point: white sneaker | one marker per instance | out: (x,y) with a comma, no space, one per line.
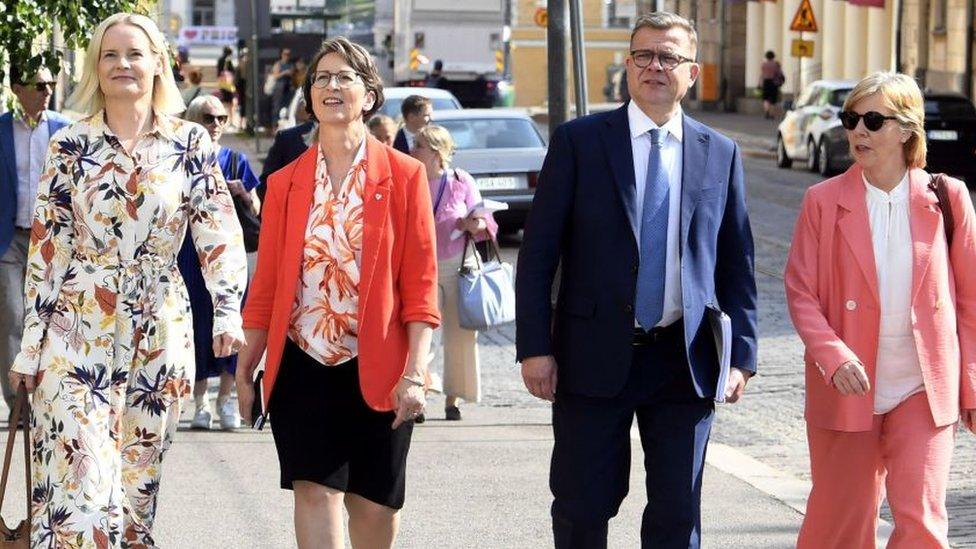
(229,418)
(203,419)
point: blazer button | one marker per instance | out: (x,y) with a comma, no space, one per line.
(629,308)
(851,305)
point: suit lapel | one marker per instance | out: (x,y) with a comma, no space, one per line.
(298,205)
(855,227)
(924,220)
(693,163)
(7,139)
(376,206)
(616,141)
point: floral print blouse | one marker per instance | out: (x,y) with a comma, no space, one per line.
(324,320)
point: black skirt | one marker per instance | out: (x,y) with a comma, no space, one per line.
(770,91)
(326,433)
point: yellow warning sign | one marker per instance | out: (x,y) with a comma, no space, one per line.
(804,21)
(801,48)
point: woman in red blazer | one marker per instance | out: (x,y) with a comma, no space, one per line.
(343,302)
(887,311)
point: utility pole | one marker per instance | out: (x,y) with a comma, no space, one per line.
(579,57)
(556,42)
(256,85)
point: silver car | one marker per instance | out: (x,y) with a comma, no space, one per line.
(811,130)
(503,150)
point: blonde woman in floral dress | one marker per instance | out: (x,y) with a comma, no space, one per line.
(108,343)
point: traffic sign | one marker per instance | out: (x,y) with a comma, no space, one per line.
(804,20)
(802,48)
(541,17)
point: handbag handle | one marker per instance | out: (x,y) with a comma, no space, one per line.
(493,251)
(20,404)
(938,186)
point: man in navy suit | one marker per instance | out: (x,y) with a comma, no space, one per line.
(416,111)
(645,210)
(24,137)
(287,145)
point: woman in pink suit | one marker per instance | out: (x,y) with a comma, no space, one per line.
(887,311)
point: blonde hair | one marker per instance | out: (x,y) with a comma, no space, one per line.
(900,94)
(194,111)
(440,141)
(88,97)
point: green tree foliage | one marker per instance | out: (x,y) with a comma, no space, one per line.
(26,28)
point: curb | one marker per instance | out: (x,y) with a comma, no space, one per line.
(758,153)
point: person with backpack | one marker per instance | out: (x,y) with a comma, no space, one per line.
(772,80)
(209,112)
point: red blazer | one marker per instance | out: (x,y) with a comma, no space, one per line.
(398,274)
(832,291)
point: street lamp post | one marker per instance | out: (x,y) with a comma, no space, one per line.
(579,57)
(556,53)
(256,87)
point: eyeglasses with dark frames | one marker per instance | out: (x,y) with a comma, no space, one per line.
(666,59)
(45,86)
(873,120)
(343,79)
(211,118)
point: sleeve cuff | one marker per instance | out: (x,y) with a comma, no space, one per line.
(25,365)
(230,325)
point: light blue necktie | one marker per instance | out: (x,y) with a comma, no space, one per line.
(649,304)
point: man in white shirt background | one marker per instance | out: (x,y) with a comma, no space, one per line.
(24,136)
(416,111)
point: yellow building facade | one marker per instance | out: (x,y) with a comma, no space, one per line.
(934,45)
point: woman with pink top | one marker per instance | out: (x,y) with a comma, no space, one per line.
(453,193)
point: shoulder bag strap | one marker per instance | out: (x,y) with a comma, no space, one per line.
(938,185)
(20,405)
(440,192)
(235,161)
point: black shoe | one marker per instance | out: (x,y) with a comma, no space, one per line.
(420,418)
(452,413)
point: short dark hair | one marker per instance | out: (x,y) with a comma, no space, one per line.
(770,54)
(358,58)
(228,50)
(414,104)
(16,76)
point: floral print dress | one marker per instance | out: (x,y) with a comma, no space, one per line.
(108,330)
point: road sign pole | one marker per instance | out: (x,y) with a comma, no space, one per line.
(799,72)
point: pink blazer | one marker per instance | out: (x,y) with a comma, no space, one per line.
(832,291)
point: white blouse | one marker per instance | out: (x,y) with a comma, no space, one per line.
(898,374)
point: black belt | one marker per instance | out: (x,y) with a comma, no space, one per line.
(659,333)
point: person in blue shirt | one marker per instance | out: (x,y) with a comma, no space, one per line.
(209,112)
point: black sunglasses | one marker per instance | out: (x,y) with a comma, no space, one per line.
(873,120)
(45,86)
(210,119)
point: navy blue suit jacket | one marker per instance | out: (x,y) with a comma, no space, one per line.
(584,216)
(8,172)
(287,146)
(400,142)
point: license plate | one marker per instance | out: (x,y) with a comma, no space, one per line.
(943,135)
(501,182)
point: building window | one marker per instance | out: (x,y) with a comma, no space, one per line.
(939,9)
(203,13)
(620,13)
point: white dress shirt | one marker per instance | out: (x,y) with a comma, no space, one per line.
(30,150)
(671,160)
(411,137)
(898,373)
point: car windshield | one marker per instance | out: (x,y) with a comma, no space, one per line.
(493,133)
(837,97)
(950,108)
(391,106)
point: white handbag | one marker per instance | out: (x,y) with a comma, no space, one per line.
(486,289)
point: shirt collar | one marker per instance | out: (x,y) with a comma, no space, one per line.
(640,123)
(21,117)
(360,155)
(897,195)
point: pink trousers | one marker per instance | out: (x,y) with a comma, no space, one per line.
(905,455)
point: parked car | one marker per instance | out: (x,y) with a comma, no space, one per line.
(392,99)
(811,130)
(950,126)
(503,150)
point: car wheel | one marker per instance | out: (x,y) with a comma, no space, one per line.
(812,156)
(823,159)
(782,159)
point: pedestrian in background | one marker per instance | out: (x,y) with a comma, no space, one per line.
(772,79)
(887,312)
(286,146)
(632,330)
(416,111)
(281,73)
(454,193)
(344,301)
(193,90)
(107,348)
(210,113)
(383,128)
(24,133)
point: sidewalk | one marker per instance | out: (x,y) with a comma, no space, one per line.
(755,135)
